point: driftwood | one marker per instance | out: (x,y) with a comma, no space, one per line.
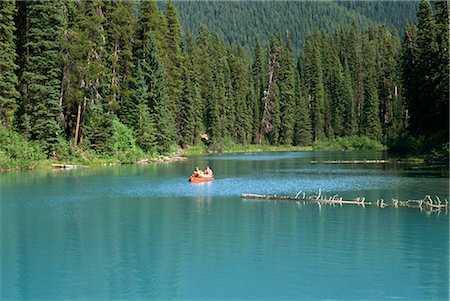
(427,203)
(355,162)
(68,166)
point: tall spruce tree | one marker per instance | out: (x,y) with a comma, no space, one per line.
(151,20)
(157,98)
(8,78)
(119,27)
(174,64)
(141,120)
(191,110)
(287,94)
(420,106)
(203,59)
(441,70)
(84,88)
(240,79)
(303,127)
(42,76)
(258,90)
(371,125)
(340,98)
(315,86)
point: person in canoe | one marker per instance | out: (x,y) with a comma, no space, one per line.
(197,172)
(208,172)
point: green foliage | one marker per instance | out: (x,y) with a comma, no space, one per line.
(123,143)
(246,22)
(157,97)
(125,79)
(98,129)
(42,74)
(348,143)
(16,152)
(8,78)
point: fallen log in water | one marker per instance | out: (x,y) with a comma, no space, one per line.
(355,162)
(68,166)
(427,203)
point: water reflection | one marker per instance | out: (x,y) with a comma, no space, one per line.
(145,232)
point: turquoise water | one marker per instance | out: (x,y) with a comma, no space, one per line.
(145,232)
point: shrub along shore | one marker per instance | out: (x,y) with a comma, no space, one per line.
(17,153)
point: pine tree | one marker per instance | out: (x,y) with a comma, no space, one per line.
(84,88)
(316,93)
(216,114)
(258,90)
(119,27)
(240,79)
(371,125)
(175,59)
(191,111)
(340,97)
(350,121)
(157,98)
(8,78)
(151,20)
(355,63)
(426,49)
(42,76)
(204,61)
(440,76)
(270,121)
(287,94)
(303,128)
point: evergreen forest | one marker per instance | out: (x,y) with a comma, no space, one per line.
(85,79)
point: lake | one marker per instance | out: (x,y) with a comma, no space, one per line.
(145,232)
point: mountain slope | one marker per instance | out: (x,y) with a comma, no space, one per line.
(247,21)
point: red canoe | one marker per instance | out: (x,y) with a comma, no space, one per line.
(200,179)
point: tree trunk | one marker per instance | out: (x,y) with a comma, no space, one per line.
(78,124)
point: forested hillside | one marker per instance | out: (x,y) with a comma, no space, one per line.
(246,22)
(121,78)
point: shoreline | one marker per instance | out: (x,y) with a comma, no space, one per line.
(180,155)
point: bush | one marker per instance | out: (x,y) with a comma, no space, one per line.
(348,143)
(124,144)
(16,152)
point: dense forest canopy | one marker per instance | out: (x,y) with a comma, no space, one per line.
(246,22)
(122,77)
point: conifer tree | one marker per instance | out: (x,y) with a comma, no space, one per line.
(84,89)
(157,98)
(258,90)
(440,76)
(303,128)
(204,61)
(426,49)
(287,94)
(350,120)
(340,97)
(42,76)
(216,114)
(190,116)
(240,79)
(119,27)
(151,20)
(270,121)
(8,78)
(355,63)
(174,63)
(371,111)
(316,93)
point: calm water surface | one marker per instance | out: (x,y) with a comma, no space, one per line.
(145,232)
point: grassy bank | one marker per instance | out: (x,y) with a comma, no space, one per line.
(348,144)
(250,148)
